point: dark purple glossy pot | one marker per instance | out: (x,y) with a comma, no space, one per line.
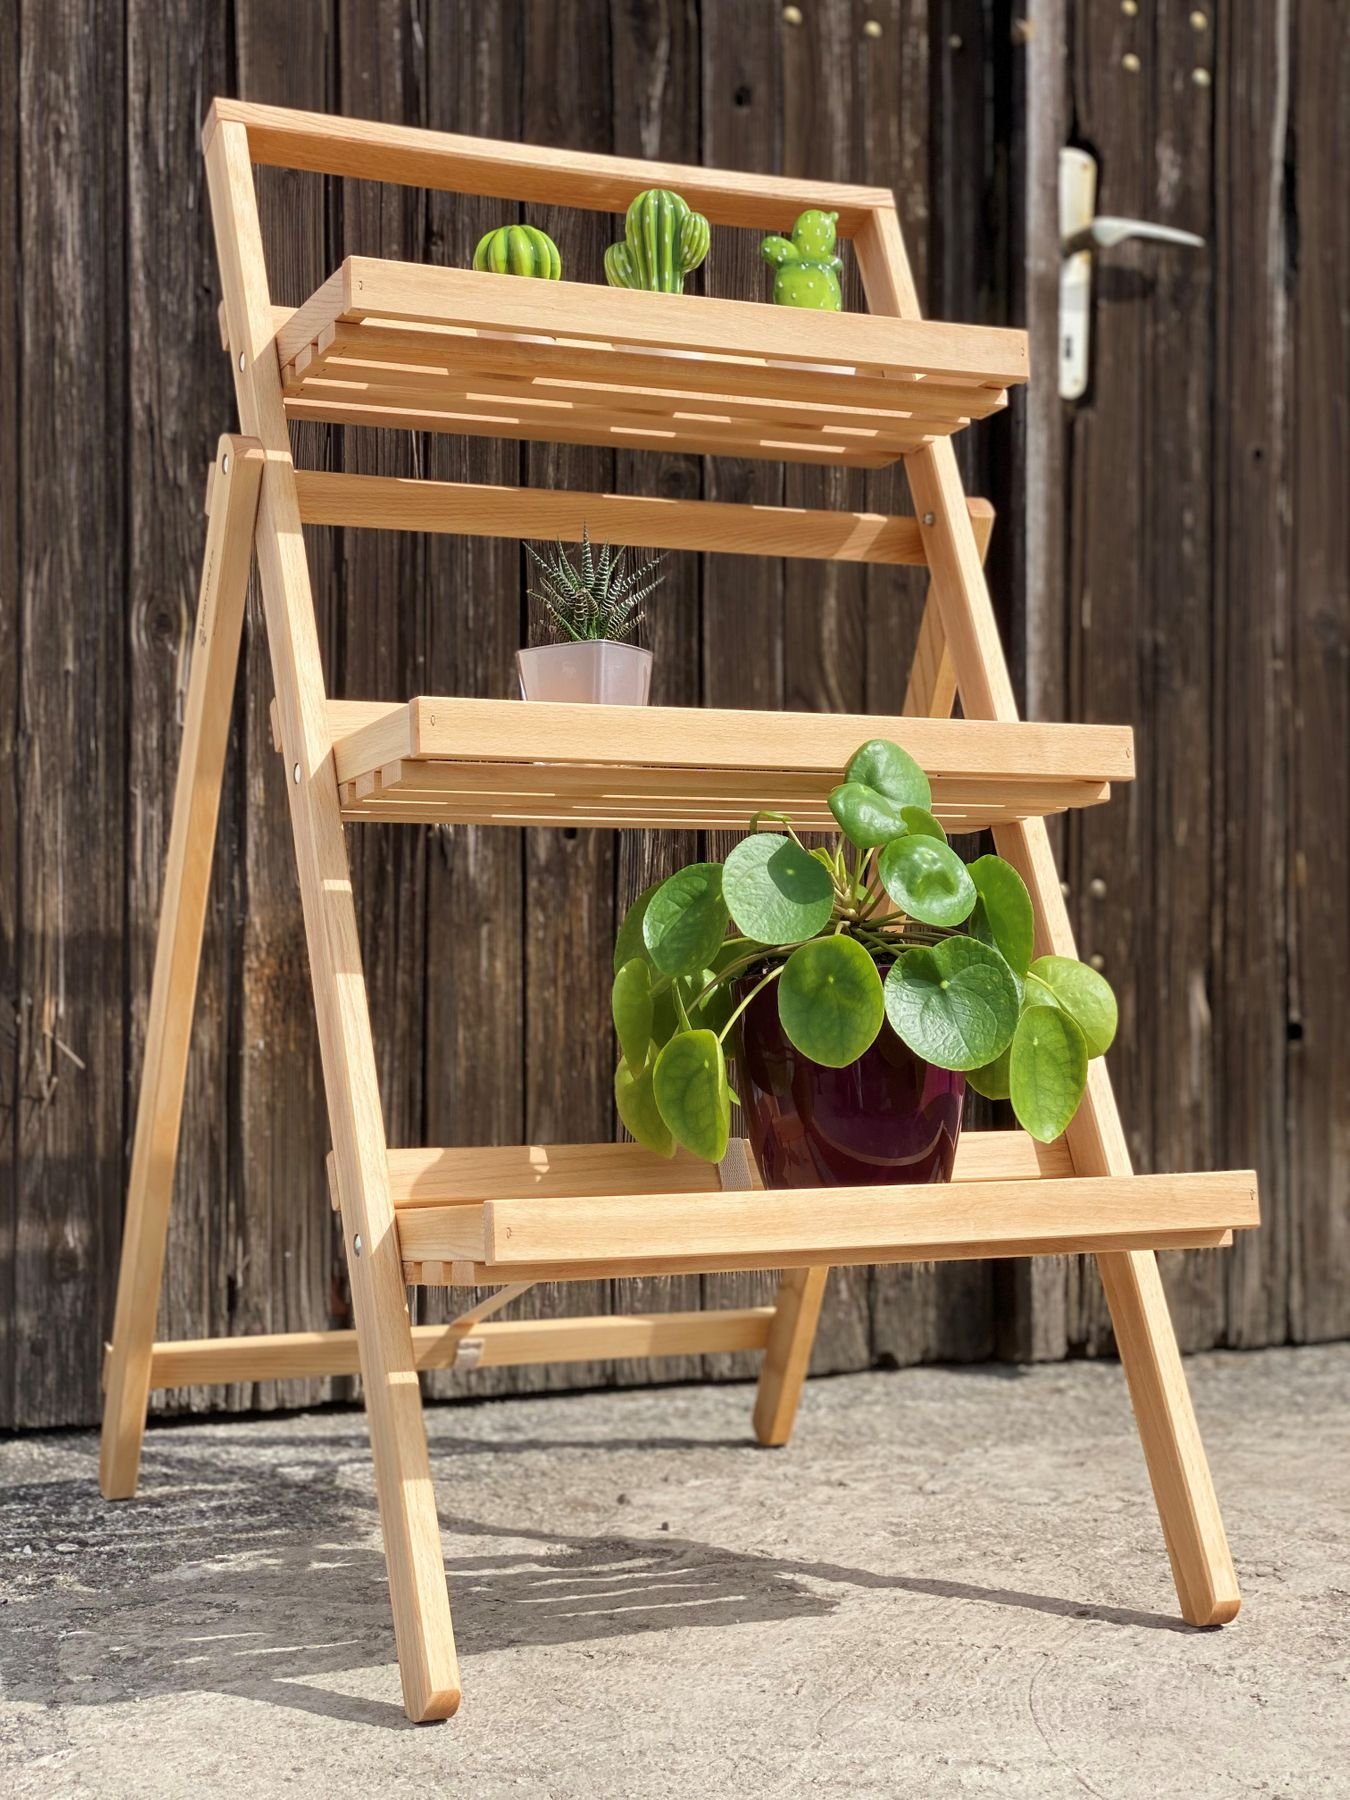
(889,1117)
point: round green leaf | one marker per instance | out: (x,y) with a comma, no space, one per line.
(991,1079)
(629,942)
(716,1006)
(1082,993)
(927,879)
(1047,1071)
(891,772)
(954,1004)
(829,1000)
(690,1084)
(776,892)
(1003,916)
(919,822)
(866,817)
(636,1101)
(631,1005)
(686,920)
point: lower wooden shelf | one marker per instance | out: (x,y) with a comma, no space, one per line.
(580,1212)
(444,760)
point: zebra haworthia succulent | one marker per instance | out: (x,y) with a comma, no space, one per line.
(664,240)
(601,598)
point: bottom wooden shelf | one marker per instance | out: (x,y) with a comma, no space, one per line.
(578,1212)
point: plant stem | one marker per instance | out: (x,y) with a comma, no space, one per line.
(772,975)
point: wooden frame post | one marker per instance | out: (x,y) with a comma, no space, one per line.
(237,474)
(421,1605)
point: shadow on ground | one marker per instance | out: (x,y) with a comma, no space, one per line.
(257,1582)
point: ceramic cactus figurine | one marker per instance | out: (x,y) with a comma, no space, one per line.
(806,269)
(663,241)
(518,250)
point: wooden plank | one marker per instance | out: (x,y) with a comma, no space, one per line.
(498,1343)
(12,492)
(783,1227)
(226,564)
(68,775)
(477,509)
(403,1479)
(1318,1028)
(386,289)
(541,175)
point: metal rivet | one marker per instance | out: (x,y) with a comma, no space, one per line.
(930,518)
(956,41)
(1199,22)
(792,15)
(225,463)
(1129,7)
(295,774)
(1130,62)
(1096,887)
(1064,889)
(241,362)
(872,28)
(1200,77)
(357,1245)
(1097,960)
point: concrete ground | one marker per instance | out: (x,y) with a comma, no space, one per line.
(953,1583)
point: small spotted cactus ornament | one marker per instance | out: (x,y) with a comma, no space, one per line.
(806,269)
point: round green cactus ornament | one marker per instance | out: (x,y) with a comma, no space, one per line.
(806,269)
(518,250)
(663,241)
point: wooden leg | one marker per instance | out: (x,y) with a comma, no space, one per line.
(1197,1546)
(788,1353)
(237,472)
(421,1605)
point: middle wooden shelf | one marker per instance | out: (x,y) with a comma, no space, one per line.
(444,760)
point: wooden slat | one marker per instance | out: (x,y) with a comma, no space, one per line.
(374,151)
(476,509)
(505,1343)
(435,1176)
(865,1224)
(423,294)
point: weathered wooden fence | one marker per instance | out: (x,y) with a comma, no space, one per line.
(1173,554)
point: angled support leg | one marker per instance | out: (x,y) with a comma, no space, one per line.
(237,472)
(1197,1547)
(421,1606)
(929,694)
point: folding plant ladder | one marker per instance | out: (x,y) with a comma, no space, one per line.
(396,345)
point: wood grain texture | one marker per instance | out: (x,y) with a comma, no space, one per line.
(11,563)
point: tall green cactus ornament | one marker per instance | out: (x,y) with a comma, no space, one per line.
(806,267)
(663,241)
(518,250)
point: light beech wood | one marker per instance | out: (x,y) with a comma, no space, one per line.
(779,1227)
(473,509)
(398,1440)
(506,1343)
(187,879)
(284,138)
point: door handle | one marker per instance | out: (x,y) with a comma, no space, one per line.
(1105,232)
(1082,233)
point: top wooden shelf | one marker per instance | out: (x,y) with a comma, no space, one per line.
(428,349)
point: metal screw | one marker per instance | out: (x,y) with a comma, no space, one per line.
(225,463)
(792,15)
(295,774)
(357,1245)
(1201,77)
(872,28)
(1129,7)
(930,518)
(1130,62)
(1096,887)
(1097,960)
(1199,22)
(241,362)
(1064,889)
(956,41)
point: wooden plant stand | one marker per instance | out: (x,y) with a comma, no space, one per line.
(395,345)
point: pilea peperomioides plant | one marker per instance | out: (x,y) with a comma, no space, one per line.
(889,926)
